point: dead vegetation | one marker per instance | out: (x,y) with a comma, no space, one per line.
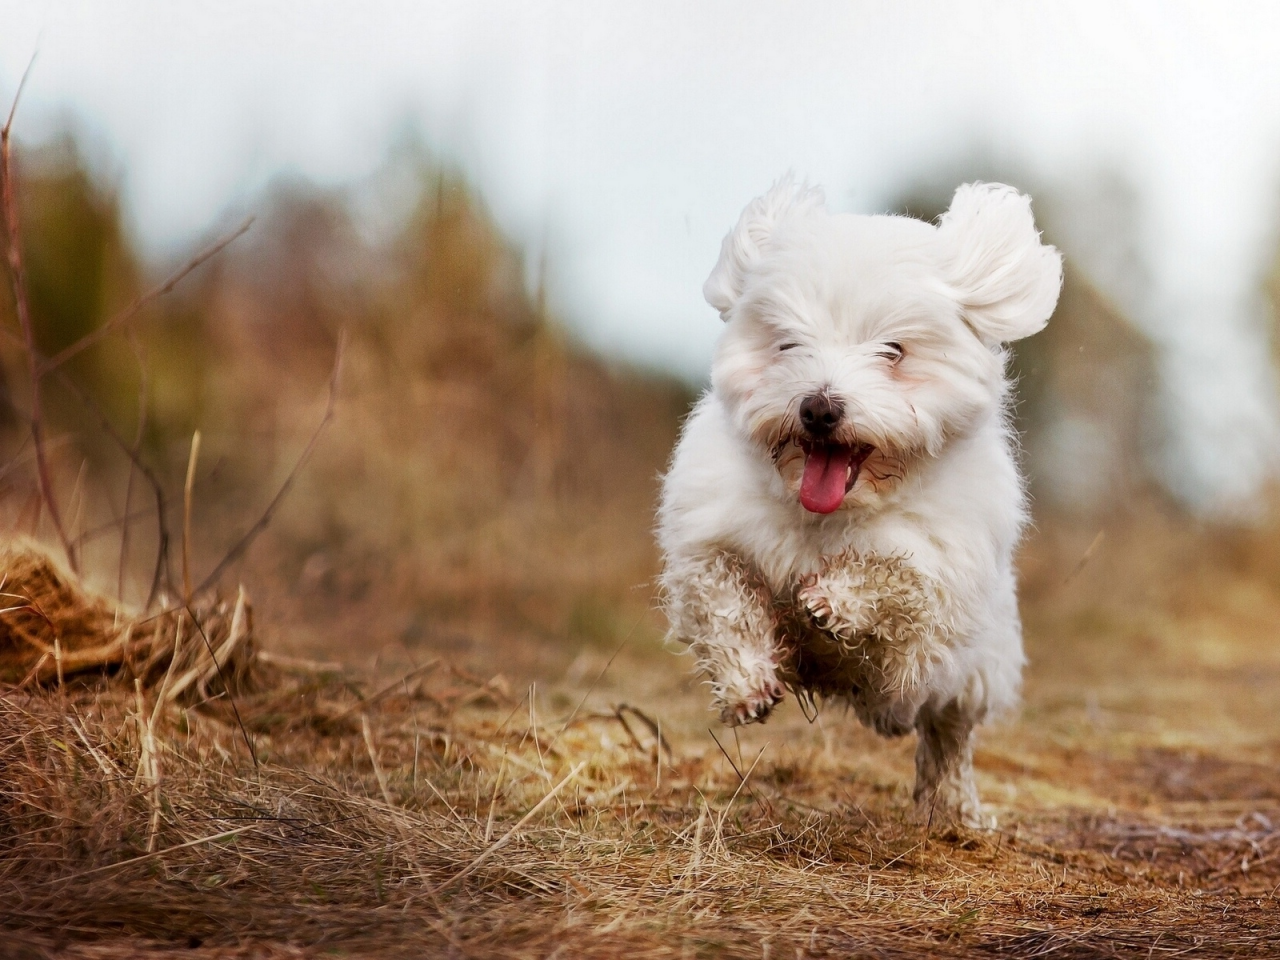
(308,809)
(52,629)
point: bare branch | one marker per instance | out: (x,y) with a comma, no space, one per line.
(18,278)
(111,526)
(39,366)
(137,306)
(237,551)
(162,522)
(122,565)
(162,547)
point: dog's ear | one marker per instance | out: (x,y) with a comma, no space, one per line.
(1006,280)
(745,243)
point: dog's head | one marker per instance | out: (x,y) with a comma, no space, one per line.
(854,346)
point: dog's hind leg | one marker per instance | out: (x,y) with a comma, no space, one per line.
(719,606)
(945,791)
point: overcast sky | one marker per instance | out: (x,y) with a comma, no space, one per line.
(626,138)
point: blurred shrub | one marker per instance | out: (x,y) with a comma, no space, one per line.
(81,269)
(80,265)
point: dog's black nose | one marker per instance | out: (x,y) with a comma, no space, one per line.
(819,414)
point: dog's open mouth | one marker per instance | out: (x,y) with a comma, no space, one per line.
(830,471)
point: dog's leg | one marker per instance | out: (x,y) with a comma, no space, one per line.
(887,619)
(945,790)
(718,606)
(837,600)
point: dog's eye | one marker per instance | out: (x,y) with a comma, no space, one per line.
(891,351)
(784,347)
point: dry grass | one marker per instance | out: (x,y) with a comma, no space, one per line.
(52,629)
(442,814)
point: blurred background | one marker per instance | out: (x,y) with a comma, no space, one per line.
(509,208)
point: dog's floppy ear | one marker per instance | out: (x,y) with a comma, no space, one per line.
(744,244)
(1006,280)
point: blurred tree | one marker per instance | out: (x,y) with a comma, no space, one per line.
(81,267)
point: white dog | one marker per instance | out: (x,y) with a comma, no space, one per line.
(842,508)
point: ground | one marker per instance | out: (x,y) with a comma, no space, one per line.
(464,811)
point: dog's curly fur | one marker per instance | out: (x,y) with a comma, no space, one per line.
(726,613)
(868,630)
(898,597)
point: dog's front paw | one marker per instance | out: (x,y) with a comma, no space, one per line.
(753,703)
(835,606)
(815,603)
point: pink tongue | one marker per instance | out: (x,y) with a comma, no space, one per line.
(826,471)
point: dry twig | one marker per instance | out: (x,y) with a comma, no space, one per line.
(18,279)
(138,305)
(243,544)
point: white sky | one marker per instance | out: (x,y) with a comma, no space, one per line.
(626,137)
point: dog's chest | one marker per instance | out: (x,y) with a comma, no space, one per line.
(785,547)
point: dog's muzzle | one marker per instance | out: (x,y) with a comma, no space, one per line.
(830,468)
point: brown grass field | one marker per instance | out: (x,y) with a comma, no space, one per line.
(440,721)
(448,810)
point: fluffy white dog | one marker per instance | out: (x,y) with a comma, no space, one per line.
(842,508)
